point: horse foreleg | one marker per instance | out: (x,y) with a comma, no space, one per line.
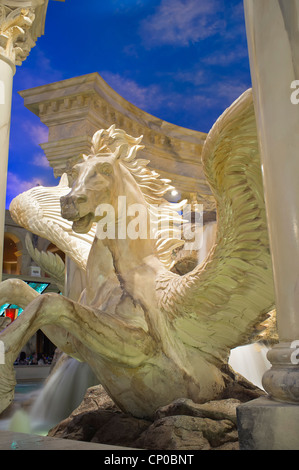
(101,333)
(15,291)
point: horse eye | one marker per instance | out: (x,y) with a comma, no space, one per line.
(105,168)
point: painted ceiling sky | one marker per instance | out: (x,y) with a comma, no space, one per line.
(184,61)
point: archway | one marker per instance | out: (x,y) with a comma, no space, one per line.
(11,253)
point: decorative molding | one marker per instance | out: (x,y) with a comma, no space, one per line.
(15,39)
(74,109)
(66,152)
(21,23)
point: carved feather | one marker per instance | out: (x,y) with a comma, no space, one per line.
(38,210)
(51,263)
(216,306)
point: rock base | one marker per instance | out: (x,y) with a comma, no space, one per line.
(182,425)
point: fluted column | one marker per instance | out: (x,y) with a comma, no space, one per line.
(21,22)
(273,41)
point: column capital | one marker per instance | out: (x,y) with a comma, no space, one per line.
(21,23)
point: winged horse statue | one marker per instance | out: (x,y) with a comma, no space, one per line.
(150,335)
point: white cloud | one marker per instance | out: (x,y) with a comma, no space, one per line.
(131,50)
(26,76)
(231,90)
(218,95)
(40,160)
(181,22)
(144,97)
(208,94)
(196,77)
(228,58)
(36,132)
(16,185)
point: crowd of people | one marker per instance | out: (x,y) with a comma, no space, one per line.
(38,359)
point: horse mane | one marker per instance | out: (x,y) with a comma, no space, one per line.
(165,217)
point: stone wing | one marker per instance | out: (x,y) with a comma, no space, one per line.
(38,210)
(218,305)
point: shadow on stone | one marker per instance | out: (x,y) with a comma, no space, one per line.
(181,425)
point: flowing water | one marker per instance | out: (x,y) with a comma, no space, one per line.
(251,362)
(51,402)
(62,393)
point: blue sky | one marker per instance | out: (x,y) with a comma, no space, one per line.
(184,61)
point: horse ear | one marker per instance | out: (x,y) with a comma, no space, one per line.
(96,140)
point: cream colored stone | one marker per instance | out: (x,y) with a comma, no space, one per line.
(51,263)
(150,335)
(16,41)
(6,74)
(274,67)
(272,30)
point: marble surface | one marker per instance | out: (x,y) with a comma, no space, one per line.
(273,39)
(6,74)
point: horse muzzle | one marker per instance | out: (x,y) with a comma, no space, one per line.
(69,208)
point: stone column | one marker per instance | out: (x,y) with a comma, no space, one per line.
(273,42)
(6,76)
(21,22)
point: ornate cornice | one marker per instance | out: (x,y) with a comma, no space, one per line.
(75,108)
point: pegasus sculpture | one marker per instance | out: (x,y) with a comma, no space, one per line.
(150,335)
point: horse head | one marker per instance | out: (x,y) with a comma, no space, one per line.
(92,178)
(91,185)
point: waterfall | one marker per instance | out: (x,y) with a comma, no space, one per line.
(62,393)
(251,362)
